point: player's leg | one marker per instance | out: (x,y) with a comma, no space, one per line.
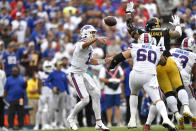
(78,83)
(152,90)
(166,87)
(60,110)
(175,78)
(135,86)
(192,103)
(95,94)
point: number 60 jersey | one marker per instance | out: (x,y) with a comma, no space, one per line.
(145,57)
(186,59)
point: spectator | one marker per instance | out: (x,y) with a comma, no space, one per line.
(33,96)
(5,4)
(19,26)
(2,50)
(10,59)
(2,104)
(15,91)
(31,59)
(18,8)
(57,81)
(5,19)
(112,80)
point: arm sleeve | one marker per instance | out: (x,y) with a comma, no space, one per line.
(6,87)
(49,80)
(102,73)
(121,71)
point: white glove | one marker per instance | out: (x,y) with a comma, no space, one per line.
(129,8)
(176,20)
(114,80)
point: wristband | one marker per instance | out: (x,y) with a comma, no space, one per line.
(101,61)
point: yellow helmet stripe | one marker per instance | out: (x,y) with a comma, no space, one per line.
(157,22)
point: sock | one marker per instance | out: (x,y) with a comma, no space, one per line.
(79,106)
(162,110)
(44,118)
(96,106)
(151,115)
(133,106)
(37,118)
(192,105)
(183,97)
(172,103)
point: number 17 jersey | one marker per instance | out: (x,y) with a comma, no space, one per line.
(145,57)
(81,58)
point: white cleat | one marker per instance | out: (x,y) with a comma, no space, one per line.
(180,120)
(132,124)
(168,124)
(36,128)
(101,127)
(72,124)
(47,127)
(187,112)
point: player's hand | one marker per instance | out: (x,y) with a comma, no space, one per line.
(55,90)
(176,20)
(114,80)
(130,8)
(101,39)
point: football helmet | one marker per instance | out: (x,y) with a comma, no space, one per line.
(152,23)
(145,38)
(87,32)
(47,66)
(188,44)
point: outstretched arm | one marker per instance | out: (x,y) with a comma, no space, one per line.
(112,62)
(92,40)
(178,31)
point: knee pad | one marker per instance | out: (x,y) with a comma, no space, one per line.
(85,100)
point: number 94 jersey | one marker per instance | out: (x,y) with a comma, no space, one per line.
(186,60)
(145,57)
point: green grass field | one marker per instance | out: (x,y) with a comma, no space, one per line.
(153,128)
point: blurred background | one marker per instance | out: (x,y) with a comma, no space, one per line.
(34,31)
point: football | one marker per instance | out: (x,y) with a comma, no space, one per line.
(110,20)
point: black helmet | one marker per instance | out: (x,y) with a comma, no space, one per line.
(152,23)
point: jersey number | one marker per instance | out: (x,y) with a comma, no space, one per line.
(184,59)
(143,55)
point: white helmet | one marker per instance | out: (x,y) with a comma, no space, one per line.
(47,66)
(86,31)
(188,44)
(145,38)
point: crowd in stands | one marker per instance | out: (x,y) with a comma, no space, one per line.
(34,31)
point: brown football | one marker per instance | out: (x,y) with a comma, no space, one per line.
(110,20)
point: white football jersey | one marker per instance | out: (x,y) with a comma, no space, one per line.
(186,60)
(145,57)
(43,76)
(81,58)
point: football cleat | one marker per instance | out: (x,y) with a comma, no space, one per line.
(101,127)
(72,124)
(187,112)
(180,121)
(146,127)
(132,124)
(36,128)
(193,119)
(168,124)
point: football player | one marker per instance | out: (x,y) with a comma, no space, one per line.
(168,75)
(45,97)
(83,83)
(145,59)
(187,60)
